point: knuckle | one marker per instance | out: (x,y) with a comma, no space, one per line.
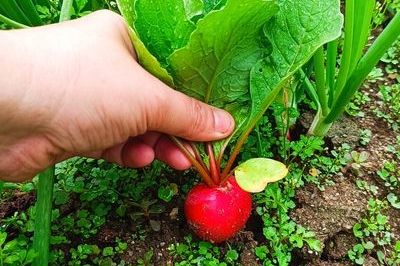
(199,116)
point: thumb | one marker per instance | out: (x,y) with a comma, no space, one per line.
(180,115)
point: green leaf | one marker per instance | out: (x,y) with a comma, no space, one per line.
(193,8)
(368,245)
(165,193)
(148,61)
(295,34)
(314,244)
(394,200)
(3,236)
(126,7)
(214,66)
(255,174)
(11,259)
(210,5)
(145,58)
(163,26)
(10,246)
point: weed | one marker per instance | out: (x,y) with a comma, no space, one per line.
(365,136)
(146,260)
(394,256)
(390,105)
(201,253)
(281,233)
(16,251)
(354,108)
(23,222)
(374,233)
(355,161)
(146,209)
(364,185)
(390,174)
(393,200)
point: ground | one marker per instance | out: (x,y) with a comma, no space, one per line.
(330,213)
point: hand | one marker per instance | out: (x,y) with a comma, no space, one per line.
(76,89)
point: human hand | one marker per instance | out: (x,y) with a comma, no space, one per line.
(76,89)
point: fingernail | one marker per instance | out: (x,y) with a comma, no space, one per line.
(223,121)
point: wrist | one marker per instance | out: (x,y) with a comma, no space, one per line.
(23,109)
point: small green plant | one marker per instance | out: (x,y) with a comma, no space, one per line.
(281,233)
(390,106)
(16,251)
(147,208)
(365,136)
(355,161)
(390,174)
(82,252)
(355,105)
(201,253)
(146,260)
(394,257)
(364,185)
(374,233)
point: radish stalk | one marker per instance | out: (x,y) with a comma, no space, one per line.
(214,168)
(199,168)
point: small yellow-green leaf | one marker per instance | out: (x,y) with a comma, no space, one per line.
(255,174)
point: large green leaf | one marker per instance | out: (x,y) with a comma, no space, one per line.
(295,33)
(163,26)
(214,66)
(145,58)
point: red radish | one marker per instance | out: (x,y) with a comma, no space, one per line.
(217,213)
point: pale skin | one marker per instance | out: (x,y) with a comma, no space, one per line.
(76,89)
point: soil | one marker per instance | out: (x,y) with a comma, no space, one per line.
(330,213)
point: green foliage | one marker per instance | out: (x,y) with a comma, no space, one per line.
(21,13)
(374,234)
(390,174)
(16,251)
(334,88)
(250,54)
(365,136)
(390,105)
(356,160)
(146,260)
(359,99)
(281,233)
(201,253)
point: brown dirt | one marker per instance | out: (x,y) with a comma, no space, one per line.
(331,213)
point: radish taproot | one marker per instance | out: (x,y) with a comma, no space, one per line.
(217,213)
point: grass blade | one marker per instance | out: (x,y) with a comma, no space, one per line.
(319,68)
(14,12)
(42,233)
(66,10)
(361,30)
(12,23)
(30,11)
(388,36)
(347,47)
(331,59)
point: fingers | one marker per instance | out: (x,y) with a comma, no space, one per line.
(175,113)
(142,150)
(167,152)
